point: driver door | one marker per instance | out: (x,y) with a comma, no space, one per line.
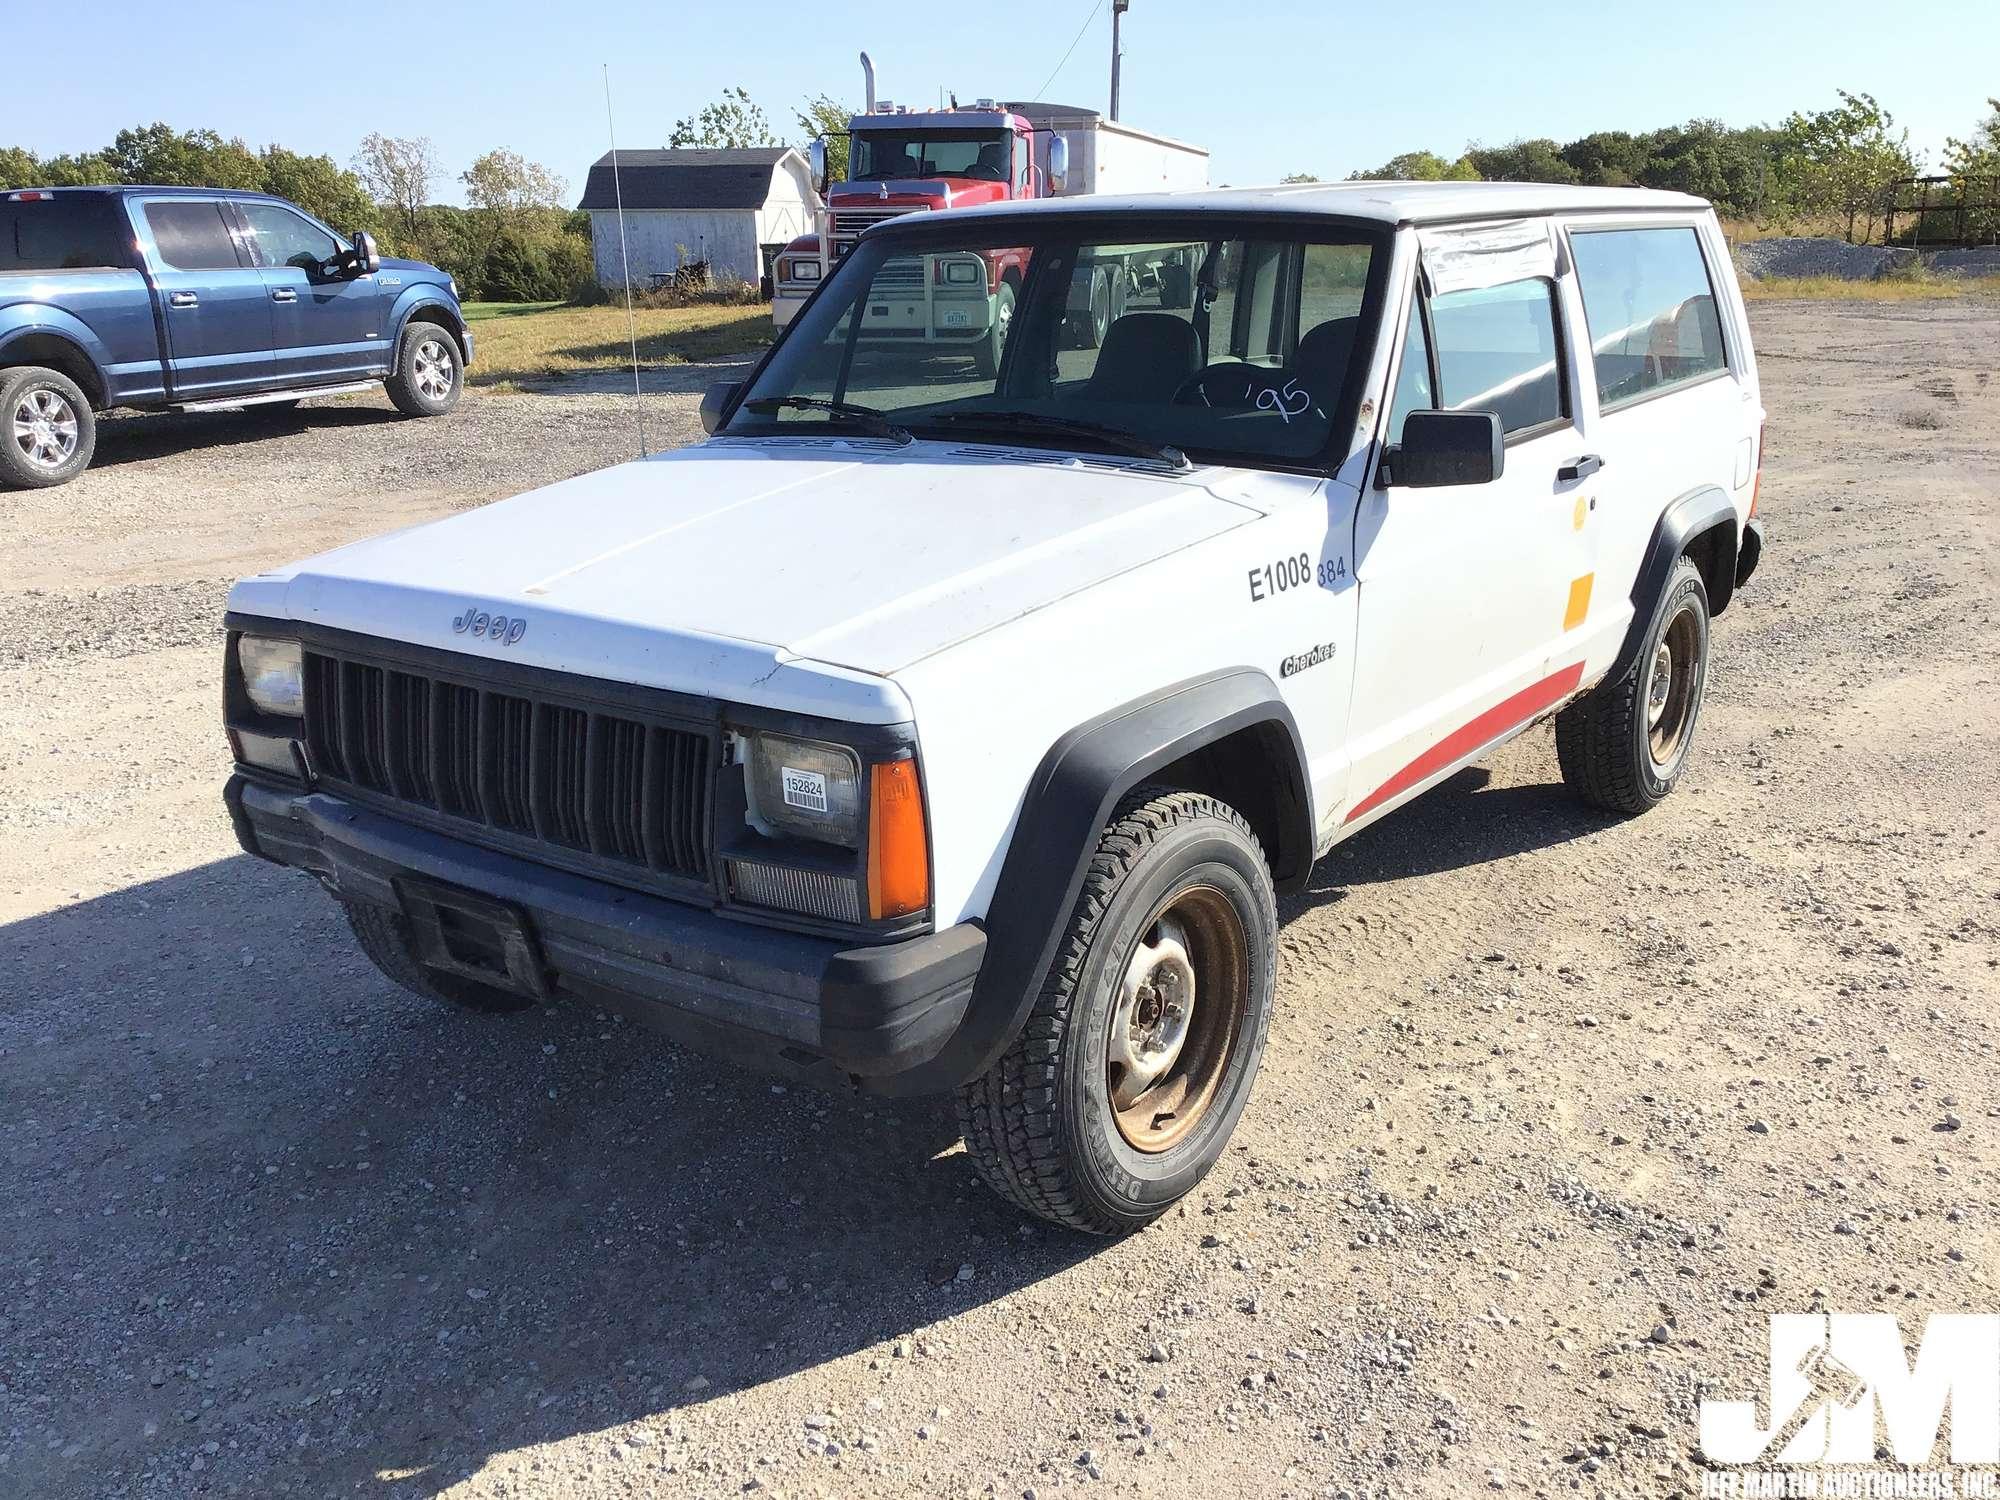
(326,326)
(1467,590)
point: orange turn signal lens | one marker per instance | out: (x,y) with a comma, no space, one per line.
(899,862)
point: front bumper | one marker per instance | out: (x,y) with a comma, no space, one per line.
(782,1001)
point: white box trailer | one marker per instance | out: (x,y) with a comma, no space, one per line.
(1109,156)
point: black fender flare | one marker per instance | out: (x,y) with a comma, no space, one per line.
(1067,804)
(1692,516)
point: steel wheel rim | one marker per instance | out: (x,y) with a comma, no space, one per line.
(434,372)
(1003,318)
(1182,1004)
(44,428)
(1671,686)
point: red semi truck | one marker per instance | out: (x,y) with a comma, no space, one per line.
(911,161)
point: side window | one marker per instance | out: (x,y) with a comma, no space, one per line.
(190,234)
(285,239)
(1413,379)
(1651,310)
(1497,351)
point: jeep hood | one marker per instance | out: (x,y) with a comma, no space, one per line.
(717,569)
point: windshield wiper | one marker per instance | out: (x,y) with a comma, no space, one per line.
(864,417)
(1036,421)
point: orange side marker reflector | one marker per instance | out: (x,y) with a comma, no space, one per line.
(1579,602)
(899,865)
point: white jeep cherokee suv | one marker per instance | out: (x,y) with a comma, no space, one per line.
(931,731)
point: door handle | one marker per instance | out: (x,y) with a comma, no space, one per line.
(1579,468)
(283,294)
(182,299)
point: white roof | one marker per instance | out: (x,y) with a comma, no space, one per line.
(1386,202)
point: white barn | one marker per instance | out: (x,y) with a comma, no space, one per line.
(734,208)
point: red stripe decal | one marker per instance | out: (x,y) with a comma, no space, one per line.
(1509,713)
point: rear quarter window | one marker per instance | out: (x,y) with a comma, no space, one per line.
(1650,307)
(190,235)
(63,232)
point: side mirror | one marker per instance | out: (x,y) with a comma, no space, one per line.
(1447,447)
(367,259)
(716,401)
(1058,164)
(816,162)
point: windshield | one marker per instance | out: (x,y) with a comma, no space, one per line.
(1203,335)
(880,155)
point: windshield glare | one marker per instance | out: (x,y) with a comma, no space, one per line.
(1221,342)
(881,155)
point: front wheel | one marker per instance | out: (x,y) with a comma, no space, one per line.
(986,353)
(429,373)
(1623,745)
(1136,1063)
(47,429)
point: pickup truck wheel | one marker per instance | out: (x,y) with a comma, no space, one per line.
(429,376)
(385,937)
(1136,1063)
(1623,745)
(47,429)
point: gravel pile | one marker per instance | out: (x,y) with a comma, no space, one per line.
(1797,256)
(1801,256)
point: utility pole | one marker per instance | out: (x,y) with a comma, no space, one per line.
(1118,9)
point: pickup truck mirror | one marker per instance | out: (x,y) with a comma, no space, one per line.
(1447,447)
(367,259)
(1058,164)
(715,401)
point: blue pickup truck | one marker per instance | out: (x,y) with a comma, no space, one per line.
(196,299)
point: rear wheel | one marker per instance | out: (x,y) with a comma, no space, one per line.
(386,938)
(1136,1063)
(429,372)
(47,429)
(1624,745)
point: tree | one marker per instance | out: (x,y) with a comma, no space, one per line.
(1298,177)
(92,170)
(733,120)
(1420,166)
(398,173)
(158,153)
(1607,158)
(1842,161)
(825,118)
(18,168)
(1539,160)
(1979,155)
(319,187)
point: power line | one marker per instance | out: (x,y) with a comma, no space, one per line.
(1072,47)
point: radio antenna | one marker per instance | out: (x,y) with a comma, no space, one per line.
(625,264)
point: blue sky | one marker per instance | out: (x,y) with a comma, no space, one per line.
(1270,86)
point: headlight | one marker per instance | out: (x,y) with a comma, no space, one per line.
(805,788)
(805,270)
(273,675)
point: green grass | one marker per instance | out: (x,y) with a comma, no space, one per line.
(1899,288)
(526,341)
(480,312)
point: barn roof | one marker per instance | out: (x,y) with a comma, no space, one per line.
(689,178)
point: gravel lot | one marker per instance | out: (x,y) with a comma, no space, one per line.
(1555,1110)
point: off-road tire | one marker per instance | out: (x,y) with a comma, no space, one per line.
(1603,739)
(406,385)
(1038,1124)
(385,937)
(18,469)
